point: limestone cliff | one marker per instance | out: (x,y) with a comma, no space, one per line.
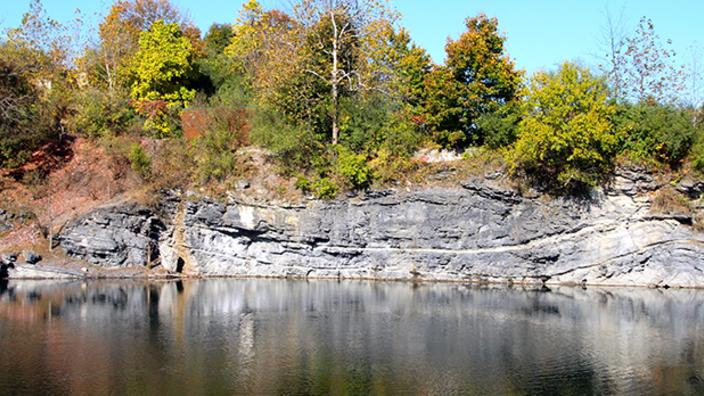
(474,232)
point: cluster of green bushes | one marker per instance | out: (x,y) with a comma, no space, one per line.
(337,108)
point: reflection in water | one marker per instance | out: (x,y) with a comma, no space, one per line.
(272,337)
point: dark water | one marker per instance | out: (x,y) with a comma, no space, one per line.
(286,337)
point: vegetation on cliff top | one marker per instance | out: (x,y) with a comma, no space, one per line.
(337,93)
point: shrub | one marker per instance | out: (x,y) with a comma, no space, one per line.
(352,168)
(140,161)
(294,146)
(386,166)
(565,141)
(698,155)
(655,132)
(100,114)
(215,148)
(325,188)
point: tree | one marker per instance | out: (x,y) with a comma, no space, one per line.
(162,68)
(119,35)
(397,67)
(565,139)
(218,38)
(18,99)
(613,60)
(336,32)
(264,49)
(651,73)
(478,78)
(142,14)
(35,93)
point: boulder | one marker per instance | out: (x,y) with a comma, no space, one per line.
(31,257)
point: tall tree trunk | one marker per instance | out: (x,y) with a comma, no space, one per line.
(334,83)
(333,115)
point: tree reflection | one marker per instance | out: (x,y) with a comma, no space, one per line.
(264,337)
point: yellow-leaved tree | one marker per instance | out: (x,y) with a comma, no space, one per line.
(566,139)
(162,68)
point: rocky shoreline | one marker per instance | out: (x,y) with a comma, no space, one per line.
(478,232)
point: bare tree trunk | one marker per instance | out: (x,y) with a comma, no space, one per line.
(334,115)
(334,80)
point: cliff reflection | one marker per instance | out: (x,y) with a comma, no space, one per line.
(270,337)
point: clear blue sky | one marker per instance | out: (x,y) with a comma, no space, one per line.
(541,33)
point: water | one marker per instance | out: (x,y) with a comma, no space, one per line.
(297,337)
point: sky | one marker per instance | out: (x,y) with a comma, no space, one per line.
(541,34)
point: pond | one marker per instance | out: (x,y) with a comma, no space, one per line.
(326,337)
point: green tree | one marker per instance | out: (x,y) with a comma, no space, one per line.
(218,38)
(162,69)
(397,66)
(478,78)
(565,140)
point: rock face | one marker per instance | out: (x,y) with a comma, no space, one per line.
(118,235)
(477,232)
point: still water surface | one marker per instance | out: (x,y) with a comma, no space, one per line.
(297,337)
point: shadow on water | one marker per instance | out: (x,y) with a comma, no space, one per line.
(270,337)
(3,286)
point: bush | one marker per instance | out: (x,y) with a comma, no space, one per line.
(100,114)
(386,166)
(215,148)
(352,168)
(325,188)
(293,146)
(565,141)
(140,161)
(653,132)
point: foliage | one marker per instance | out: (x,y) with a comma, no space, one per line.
(500,128)
(387,166)
(36,93)
(325,188)
(162,68)
(19,135)
(140,161)
(478,78)
(293,146)
(655,132)
(215,149)
(229,85)
(98,113)
(352,168)
(336,48)
(218,38)
(698,155)
(398,67)
(264,49)
(565,140)
(119,32)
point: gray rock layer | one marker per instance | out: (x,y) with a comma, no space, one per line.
(471,233)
